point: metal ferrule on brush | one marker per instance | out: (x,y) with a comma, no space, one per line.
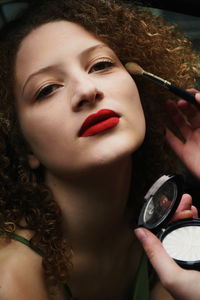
(156,79)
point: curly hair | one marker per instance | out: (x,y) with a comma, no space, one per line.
(135,35)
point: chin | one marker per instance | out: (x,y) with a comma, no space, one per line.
(100,153)
(114,150)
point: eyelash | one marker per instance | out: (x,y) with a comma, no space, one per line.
(41,95)
(103,65)
(100,65)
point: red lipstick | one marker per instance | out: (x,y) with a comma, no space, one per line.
(103,120)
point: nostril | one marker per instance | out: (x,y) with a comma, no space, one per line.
(84,99)
(82,103)
(99,96)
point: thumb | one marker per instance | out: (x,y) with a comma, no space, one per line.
(163,264)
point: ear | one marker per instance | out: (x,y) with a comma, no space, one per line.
(34,163)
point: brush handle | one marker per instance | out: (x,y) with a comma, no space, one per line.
(184,94)
(172,88)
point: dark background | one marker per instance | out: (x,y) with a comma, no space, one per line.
(185,13)
(189,7)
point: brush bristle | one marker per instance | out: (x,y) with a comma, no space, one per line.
(134,68)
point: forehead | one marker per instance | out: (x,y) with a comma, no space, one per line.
(57,31)
(51,41)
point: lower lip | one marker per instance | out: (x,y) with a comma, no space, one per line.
(101,126)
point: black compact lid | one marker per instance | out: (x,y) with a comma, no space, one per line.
(161,201)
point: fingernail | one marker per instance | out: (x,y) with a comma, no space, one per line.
(140,234)
(197,96)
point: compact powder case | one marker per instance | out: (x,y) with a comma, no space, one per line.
(181,239)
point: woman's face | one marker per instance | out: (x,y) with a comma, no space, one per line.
(63,76)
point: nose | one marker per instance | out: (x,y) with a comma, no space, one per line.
(85,93)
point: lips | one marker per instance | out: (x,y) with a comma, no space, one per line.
(96,123)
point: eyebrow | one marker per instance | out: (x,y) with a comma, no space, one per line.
(93,48)
(50,68)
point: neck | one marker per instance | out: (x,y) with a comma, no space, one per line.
(95,222)
(93,206)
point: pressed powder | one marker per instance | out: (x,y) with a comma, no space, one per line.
(183,243)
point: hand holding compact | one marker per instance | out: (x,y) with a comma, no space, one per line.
(181,284)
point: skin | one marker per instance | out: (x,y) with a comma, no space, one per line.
(89,176)
(79,90)
(182,284)
(188,151)
(16,282)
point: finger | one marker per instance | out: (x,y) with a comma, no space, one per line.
(195,213)
(193,91)
(185,214)
(197,97)
(196,93)
(163,264)
(181,215)
(185,209)
(175,143)
(191,113)
(185,203)
(179,119)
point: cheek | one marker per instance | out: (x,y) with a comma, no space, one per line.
(132,105)
(50,143)
(52,138)
(126,100)
(132,92)
(126,90)
(35,129)
(42,128)
(135,114)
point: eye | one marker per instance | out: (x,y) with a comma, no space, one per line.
(47,91)
(101,65)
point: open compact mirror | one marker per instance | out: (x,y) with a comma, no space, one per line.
(181,239)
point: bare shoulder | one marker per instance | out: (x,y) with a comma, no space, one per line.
(159,292)
(21,275)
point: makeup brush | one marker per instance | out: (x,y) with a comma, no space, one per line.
(135,69)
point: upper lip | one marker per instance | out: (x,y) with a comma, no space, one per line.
(97,117)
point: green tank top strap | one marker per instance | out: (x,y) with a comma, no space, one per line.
(141,285)
(22,240)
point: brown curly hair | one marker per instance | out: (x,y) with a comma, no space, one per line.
(135,35)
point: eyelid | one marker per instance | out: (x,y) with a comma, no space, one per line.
(46,85)
(101,59)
